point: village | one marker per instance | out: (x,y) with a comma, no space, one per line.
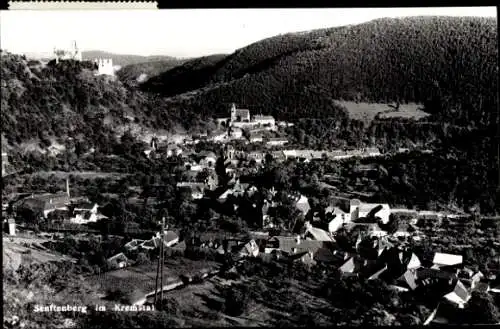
(382,249)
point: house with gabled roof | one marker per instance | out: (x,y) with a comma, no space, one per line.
(322,251)
(133,244)
(44,203)
(315,233)
(360,209)
(407,281)
(170,238)
(443,259)
(249,249)
(118,261)
(459,296)
(277,141)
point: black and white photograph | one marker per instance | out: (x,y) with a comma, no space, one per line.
(273,167)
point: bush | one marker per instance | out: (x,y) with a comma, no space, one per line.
(236,300)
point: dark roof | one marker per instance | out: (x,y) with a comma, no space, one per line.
(286,244)
(409,279)
(424,273)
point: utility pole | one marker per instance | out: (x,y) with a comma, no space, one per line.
(160,261)
(162,255)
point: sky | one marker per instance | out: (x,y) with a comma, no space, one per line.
(182,33)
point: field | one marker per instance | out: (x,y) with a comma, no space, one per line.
(138,281)
(367,111)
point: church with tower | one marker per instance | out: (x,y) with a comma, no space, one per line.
(240,118)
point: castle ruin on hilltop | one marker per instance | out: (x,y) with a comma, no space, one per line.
(72,53)
(103,66)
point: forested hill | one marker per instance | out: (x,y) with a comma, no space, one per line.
(447,63)
(44,103)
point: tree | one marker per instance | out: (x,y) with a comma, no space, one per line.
(237,299)
(481,309)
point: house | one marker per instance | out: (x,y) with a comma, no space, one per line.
(133,245)
(264,120)
(84,213)
(256,138)
(459,296)
(44,203)
(249,249)
(340,217)
(278,156)
(118,261)
(430,275)
(256,155)
(321,251)
(360,209)
(407,281)
(218,136)
(170,238)
(276,141)
(414,262)
(196,189)
(443,259)
(372,151)
(317,234)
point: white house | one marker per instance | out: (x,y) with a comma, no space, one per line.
(443,259)
(340,218)
(87,213)
(118,261)
(360,209)
(219,136)
(264,120)
(250,249)
(317,234)
(372,151)
(256,138)
(459,296)
(276,141)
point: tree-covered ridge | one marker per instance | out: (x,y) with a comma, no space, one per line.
(190,75)
(42,102)
(447,63)
(135,73)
